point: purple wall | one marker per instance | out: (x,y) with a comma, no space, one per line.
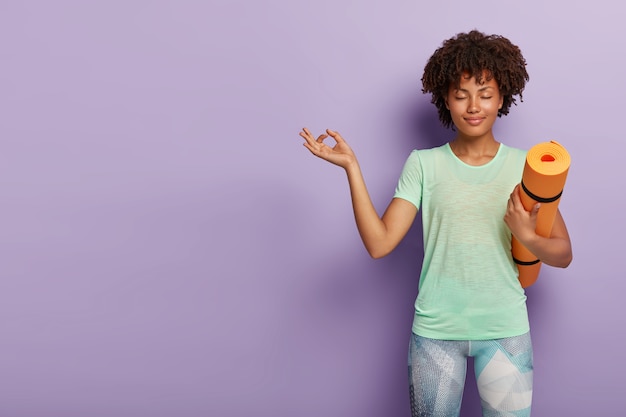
(169,248)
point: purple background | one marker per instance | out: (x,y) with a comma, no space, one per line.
(169,248)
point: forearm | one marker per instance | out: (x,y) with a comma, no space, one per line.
(554,251)
(371,227)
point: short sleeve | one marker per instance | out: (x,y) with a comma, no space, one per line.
(410,183)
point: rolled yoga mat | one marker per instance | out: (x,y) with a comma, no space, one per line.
(543,180)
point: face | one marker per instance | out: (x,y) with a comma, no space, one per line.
(474,107)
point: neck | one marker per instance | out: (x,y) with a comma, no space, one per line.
(475,151)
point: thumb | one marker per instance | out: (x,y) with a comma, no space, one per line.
(535,210)
(334,134)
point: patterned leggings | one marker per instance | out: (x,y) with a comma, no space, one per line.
(504,375)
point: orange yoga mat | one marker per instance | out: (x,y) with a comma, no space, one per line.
(543,180)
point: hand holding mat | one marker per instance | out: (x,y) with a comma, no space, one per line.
(543,180)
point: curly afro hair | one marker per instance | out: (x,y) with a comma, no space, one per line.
(477,54)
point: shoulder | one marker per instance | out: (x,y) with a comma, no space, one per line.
(429,153)
(514,153)
(420,161)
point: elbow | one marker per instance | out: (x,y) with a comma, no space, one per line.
(567,261)
(377,253)
(379,247)
(563,262)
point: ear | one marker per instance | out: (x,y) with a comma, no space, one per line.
(501,101)
(445,100)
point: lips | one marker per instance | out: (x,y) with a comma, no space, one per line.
(474,121)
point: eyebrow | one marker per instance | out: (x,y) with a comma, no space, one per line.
(487,87)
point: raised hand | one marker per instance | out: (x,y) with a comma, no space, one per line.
(341,154)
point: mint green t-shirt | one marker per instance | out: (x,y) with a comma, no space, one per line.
(469,287)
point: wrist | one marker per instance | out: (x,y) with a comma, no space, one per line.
(529,240)
(352,165)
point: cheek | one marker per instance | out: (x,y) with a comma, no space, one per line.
(453,107)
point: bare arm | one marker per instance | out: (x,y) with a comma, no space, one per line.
(555,250)
(379,235)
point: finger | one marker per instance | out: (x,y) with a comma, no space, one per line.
(515,198)
(515,191)
(532,215)
(310,148)
(335,135)
(306,135)
(510,207)
(314,146)
(321,138)
(307,140)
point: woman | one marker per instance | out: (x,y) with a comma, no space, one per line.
(470,302)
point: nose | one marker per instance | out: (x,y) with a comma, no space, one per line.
(473,106)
